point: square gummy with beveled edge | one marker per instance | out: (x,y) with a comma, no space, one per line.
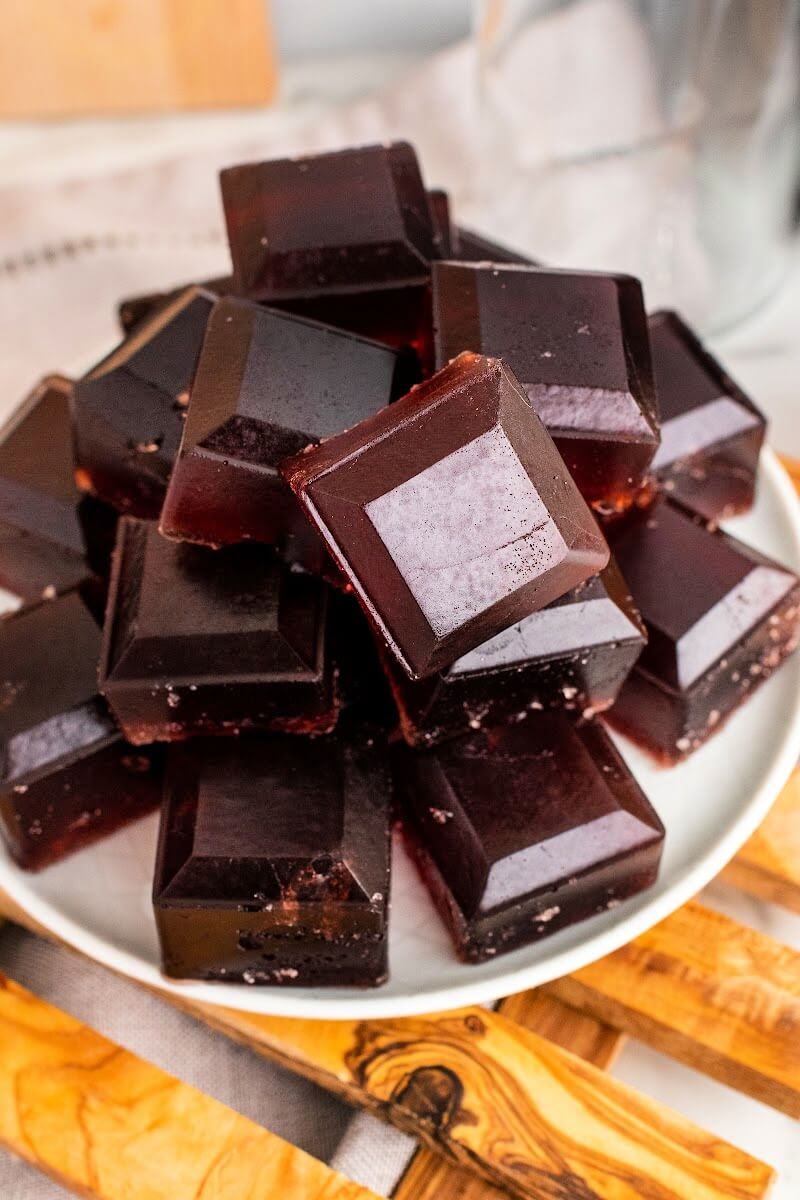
(267,383)
(720,618)
(711,432)
(451,513)
(469,246)
(135,309)
(201,641)
(273,861)
(574,654)
(49,654)
(128,411)
(66,776)
(698,592)
(42,542)
(300,226)
(522,829)
(578,344)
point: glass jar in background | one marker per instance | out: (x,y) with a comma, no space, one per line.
(659,137)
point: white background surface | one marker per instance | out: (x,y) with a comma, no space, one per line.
(765,356)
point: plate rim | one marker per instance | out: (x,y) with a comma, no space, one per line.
(370,1003)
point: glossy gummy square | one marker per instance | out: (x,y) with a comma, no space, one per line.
(451,513)
(128,411)
(267,384)
(577,341)
(720,618)
(201,641)
(67,777)
(521,830)
(575,654)
(711,432)
(273,862)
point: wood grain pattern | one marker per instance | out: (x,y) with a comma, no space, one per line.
(576,1031)
(109,1126)
(430,1177)
(527,1115)
(712,993)
(769,864)
(129,55)
(505,1141)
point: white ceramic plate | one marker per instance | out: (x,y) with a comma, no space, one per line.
(99,900)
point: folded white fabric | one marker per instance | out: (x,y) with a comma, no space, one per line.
(373,1154)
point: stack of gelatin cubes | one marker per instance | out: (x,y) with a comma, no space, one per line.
(364,491)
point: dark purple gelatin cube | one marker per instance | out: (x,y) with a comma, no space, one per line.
(202,641)
(327,222)
(273,862)
(267,384)
(66,775)
(44,541)
(578,344)
(451,513)
(135,309)
(711,432)
(720,618)
(574,654)
(128,411)
(521,830)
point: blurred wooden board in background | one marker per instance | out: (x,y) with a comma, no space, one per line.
(69,57)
